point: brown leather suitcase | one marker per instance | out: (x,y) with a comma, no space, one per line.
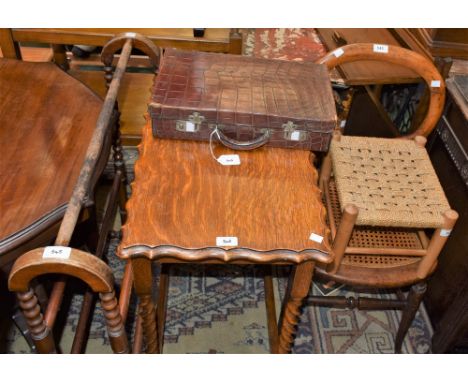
(245,102)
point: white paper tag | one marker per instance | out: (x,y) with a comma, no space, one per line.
(316,238)
(435,84)
(295,136)
(56,252)
(226,241)
(445,232)
(130,34)
(338,52)
(343,123)
(380,48)
(189,126)
(229,160)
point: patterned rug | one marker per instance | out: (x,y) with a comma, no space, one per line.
(221,309)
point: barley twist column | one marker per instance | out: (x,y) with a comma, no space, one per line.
(298,288)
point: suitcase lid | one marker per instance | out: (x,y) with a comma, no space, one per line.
(240,90)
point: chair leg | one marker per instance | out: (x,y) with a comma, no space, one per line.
(40,333)
(415,297)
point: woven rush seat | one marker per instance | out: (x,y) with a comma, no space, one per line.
(391,182)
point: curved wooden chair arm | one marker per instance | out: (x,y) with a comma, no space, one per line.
(139,41)
(79,264)
(399,56)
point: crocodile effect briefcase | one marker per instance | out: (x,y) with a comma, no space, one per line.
(245,102)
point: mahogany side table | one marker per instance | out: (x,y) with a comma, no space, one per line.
(187,207)
(44,134)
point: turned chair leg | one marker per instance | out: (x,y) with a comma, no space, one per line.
(40,332)
(415,297)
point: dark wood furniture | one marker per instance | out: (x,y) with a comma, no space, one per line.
(223,40)
(446,299)
(380,195)
(44,134)
(187,207)
(436,42)
(62,259)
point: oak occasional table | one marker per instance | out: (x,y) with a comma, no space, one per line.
(187,207)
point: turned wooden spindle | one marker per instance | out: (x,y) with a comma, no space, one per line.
(115,326)
(120,170)
(108,75)
(298,288)
(40,333)
(147,312)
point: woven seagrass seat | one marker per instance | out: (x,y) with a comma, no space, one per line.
(392,182)
(382,195)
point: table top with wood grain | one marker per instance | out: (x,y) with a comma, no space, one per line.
(47,119)
(183,200)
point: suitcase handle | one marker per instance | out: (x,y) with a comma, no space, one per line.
(243,145)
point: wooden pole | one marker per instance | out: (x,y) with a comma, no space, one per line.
(74,206)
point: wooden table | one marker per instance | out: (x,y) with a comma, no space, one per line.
(184,202)
(44,134)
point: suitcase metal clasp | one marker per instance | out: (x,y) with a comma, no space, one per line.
(192,125)
(291,134)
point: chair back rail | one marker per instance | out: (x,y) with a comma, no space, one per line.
(399,56)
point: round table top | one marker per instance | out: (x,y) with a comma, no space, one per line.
(47,119)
